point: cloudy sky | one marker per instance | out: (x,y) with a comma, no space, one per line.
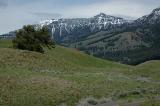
(16,13)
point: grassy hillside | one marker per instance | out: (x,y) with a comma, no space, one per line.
(63,75)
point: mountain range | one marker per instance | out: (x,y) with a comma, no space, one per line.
(63,30)
(109,37)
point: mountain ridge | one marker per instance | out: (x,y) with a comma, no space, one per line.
(98,22)
(62,29)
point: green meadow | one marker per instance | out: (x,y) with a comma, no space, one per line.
(66,76)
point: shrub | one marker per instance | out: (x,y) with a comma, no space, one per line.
(29,38)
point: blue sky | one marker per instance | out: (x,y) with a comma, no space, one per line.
(16,13)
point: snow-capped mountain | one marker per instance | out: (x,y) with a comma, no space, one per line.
(66,29)
(62,29)
(107,19)
(98,19)
(152,18)
(45,22)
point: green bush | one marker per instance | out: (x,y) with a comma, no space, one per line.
(29,38)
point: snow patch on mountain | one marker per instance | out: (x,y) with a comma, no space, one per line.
(47,22)
(60,28)
(152,18)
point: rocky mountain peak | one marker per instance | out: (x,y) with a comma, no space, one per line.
(156,11)
(152,18)
(104,16)
(100,15)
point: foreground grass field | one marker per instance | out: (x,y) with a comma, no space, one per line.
(66,76)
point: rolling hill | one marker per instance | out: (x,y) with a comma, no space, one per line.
(63,76)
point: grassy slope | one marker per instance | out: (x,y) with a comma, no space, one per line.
(64,75)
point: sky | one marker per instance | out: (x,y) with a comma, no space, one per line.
(16,13)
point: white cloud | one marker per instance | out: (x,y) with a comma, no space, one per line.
(46,15)
(120,7)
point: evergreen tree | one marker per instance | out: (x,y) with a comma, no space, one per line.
(29,38)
